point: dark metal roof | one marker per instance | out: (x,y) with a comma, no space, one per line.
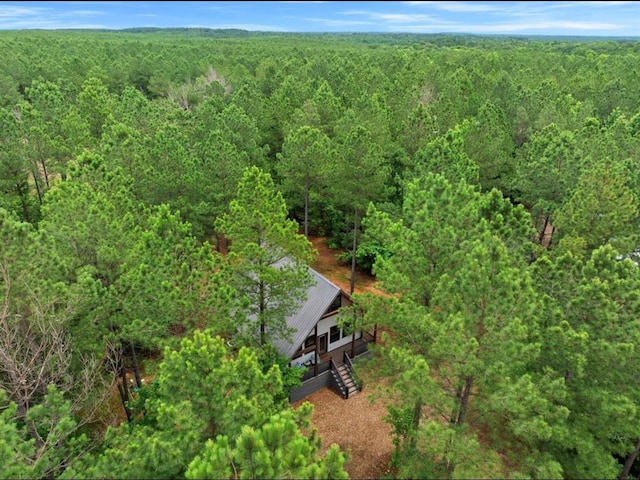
(320,296)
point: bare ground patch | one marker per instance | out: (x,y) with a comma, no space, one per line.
(339,272)
(356,425)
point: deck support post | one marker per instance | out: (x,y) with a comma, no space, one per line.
(317,359)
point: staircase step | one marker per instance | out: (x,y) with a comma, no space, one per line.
(348,384)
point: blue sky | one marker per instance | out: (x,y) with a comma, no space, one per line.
(614,18)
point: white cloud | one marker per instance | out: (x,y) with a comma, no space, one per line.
(53,24)
(605,4)
(566,26)
(12,12)
(507,28)
(82,13)
(332,22)
(459,7)
(391,17)
(402,17)
(16,18)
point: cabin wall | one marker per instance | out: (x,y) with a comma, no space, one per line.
(324,326)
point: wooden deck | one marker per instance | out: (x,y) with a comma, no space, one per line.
(338,354)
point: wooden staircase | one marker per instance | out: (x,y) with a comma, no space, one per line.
(345,380)
(349,382)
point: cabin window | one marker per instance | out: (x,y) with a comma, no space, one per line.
(335,334)
(337,303)
(310,341)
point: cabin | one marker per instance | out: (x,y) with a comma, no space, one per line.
(319,346)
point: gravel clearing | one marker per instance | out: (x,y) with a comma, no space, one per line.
(356,425)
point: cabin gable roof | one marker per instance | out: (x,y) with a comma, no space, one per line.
(320,296)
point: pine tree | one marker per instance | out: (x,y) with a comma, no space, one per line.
(268,256)
(463,305)
(278,449)
(208,410)
(304,164)
(603,209)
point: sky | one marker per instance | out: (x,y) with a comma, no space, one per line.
(613,18)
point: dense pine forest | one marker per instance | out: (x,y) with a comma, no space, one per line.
(150,181)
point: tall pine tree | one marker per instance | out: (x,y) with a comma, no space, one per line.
(269,258)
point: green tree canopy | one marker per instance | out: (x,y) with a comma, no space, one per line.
(269,258)
(278,449)
(603,209)
(304,165)
(205,399)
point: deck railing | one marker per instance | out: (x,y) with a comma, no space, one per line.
(336,376)
(352,370)
(323,367)
(309,372)
(360,349)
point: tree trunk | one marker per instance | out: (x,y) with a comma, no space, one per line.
(427,299)
(124,389)
(222,244)
(629,462)
(124,403)
(263,330)
(44,171)
(136,367)
(553,229)
(415,423)
(35,181)
(353,335)
(456,407)
(544,229)
(306,207)
(464,401)
(356,221)
(23,192)
(417,414)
